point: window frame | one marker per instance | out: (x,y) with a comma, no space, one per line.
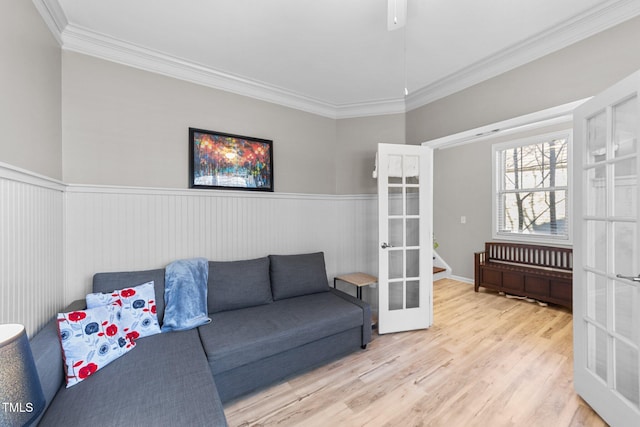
(497,172)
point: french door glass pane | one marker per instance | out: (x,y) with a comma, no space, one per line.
(413,263)
(597,138)
(625,297)
(626,363)
(597,298)
(396,290)
(413,294)
(395,169)
(596,191)
(625,189)
(396,232)
(624,255)
(625,130)
(395,201)
(396,264)
(597,351)
(411,170)
(413,201)
(413,232)
(596,246)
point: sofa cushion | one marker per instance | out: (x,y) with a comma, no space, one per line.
(238,284)
(91,339)
(296,275)
(108,282)
(138,308)
(238,337)
(165,381)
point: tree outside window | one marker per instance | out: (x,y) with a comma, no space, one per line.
(532,188)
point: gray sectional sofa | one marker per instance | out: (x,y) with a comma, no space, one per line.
(271,317)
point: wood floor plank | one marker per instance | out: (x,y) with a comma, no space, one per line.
(487,360)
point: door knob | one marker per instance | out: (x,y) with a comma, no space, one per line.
(635,279)
(385,245)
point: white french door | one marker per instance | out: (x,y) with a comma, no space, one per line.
(405,212)
(606,285)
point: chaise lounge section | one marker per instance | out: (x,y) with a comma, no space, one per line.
(272,317)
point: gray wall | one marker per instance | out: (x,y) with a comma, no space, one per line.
(462,175)
(578,71)
(357,143)
(124,126)
(30,107)
(462,187)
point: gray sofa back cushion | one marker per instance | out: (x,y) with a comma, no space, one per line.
(238,284)
(108,282)
(297,275)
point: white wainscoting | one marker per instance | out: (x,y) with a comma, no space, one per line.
(123,228)
(31,248)
(54,237)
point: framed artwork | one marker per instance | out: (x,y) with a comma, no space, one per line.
(225,161)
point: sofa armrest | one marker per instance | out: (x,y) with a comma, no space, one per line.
(366,314)
(47,355)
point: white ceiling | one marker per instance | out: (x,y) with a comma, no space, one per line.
(330,57)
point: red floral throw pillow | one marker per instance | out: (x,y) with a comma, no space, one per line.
(91,339)
(138,308)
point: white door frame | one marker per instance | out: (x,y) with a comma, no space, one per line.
(420,316)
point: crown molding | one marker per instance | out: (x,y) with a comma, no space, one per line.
(373,108)
(587,24)
(53,16)
(85,41)
(82,40)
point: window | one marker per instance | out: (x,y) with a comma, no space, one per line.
(531,188)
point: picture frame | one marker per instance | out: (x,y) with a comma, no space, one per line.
(220,160)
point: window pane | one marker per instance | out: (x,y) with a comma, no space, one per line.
(540,165)
(532,186)
(535,212)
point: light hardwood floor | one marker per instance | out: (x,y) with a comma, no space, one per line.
(486,361)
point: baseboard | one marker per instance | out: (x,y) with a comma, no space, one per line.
(462,279)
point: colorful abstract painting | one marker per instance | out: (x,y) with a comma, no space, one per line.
(220,160)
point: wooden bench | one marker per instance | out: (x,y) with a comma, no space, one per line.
(544,273)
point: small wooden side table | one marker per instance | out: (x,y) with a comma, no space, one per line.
(356,279)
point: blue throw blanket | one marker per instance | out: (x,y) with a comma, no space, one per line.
(185,294)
